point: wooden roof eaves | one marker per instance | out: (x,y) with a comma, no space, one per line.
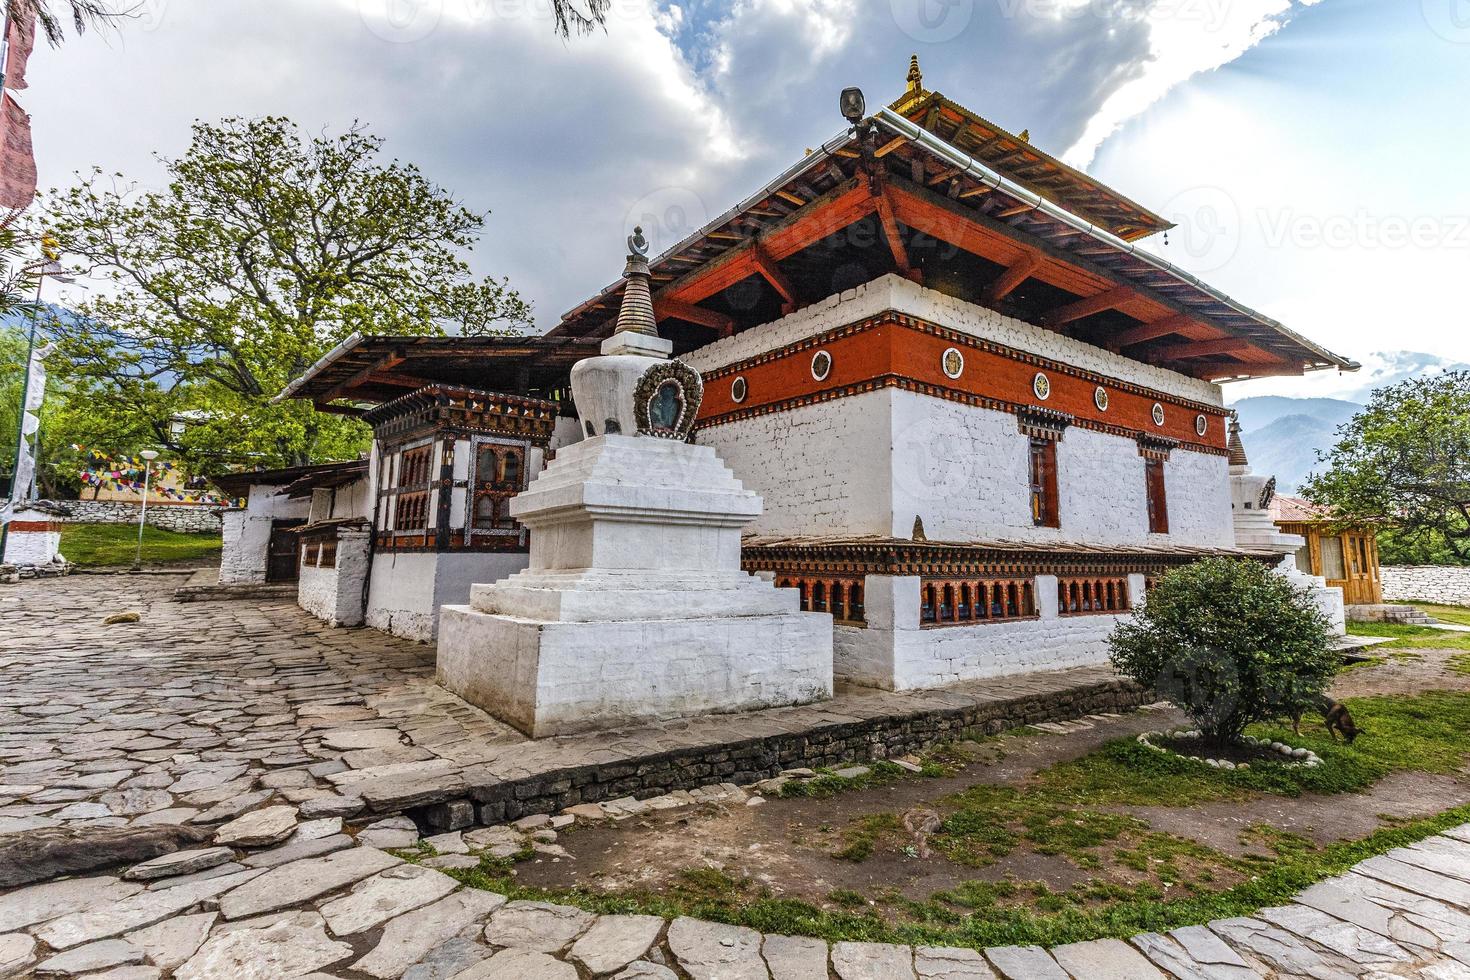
(1082,184)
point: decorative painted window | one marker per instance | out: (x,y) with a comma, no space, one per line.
(842,597)
(1091,596)
(500,474)
(959,602)
(1158,500)
(1045,508)
(411,512)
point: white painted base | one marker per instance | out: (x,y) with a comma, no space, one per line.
(634,608)
(897,654)
(556,678)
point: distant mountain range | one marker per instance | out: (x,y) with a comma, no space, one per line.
(1282,435)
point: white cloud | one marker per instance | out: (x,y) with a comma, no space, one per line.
(1186,37)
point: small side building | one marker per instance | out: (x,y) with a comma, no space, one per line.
(259,543)
(1346,556)
(334,544)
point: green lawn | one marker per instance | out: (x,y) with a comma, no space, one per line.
(1407,637)
(116,544)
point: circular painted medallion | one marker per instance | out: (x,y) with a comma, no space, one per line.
(1201,425)
(738,390)
(953,363)
(821,365)
(1158,414)
(1100,398)
(1041,384)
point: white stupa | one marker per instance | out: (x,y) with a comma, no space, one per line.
(1250,504)
(634,607)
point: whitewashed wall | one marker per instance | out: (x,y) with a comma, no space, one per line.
(247,533)
(407,588)
(32,547)
(894,652)
(966,472)
(819,468)
(334,595)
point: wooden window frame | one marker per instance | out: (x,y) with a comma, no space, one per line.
(1157,496)
(1042,470)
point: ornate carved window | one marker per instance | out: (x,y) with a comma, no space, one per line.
(411,510)
(966,602)
(1091,596)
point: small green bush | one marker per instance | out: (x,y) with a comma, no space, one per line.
(1230,643)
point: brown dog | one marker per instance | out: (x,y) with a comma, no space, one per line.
(1336,718)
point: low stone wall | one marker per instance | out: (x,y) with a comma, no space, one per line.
(184,518)
(749,761)
(1445,584)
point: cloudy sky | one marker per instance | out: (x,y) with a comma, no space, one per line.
(1313,153)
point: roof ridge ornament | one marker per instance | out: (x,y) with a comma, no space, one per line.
(915,76)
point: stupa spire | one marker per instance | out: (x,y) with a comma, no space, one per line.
(636,312)
(1235,446)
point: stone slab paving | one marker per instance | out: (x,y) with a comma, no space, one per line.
(237,720)
(362,912)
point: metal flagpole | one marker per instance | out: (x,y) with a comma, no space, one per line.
(20,427)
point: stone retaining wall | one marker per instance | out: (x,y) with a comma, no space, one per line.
(1445,584)
(744,762)
(184,518)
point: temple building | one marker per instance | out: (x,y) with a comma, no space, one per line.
(981,416)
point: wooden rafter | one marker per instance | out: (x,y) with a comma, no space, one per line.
(715,320)
(1237,369)
(383,363)
(1179,323)
(779,281)
(890,146)
(1088,305)
(1014,274)
(1201,348)
(886,217)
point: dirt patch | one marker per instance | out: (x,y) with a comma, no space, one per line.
(1402,672)
(1028,844)
(1320,819)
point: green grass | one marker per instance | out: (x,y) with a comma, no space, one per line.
(108,545)
(1069,811)
(1406,637)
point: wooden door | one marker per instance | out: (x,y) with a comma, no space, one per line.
(282,563)
(1362,586)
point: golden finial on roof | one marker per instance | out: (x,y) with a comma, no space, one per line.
(1025,136)
(916,77)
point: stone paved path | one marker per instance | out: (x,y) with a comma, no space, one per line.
(245,726)
(320,904)
(205,710)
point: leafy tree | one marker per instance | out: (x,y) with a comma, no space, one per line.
(1229,642)
(266,249)
(1404,462)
